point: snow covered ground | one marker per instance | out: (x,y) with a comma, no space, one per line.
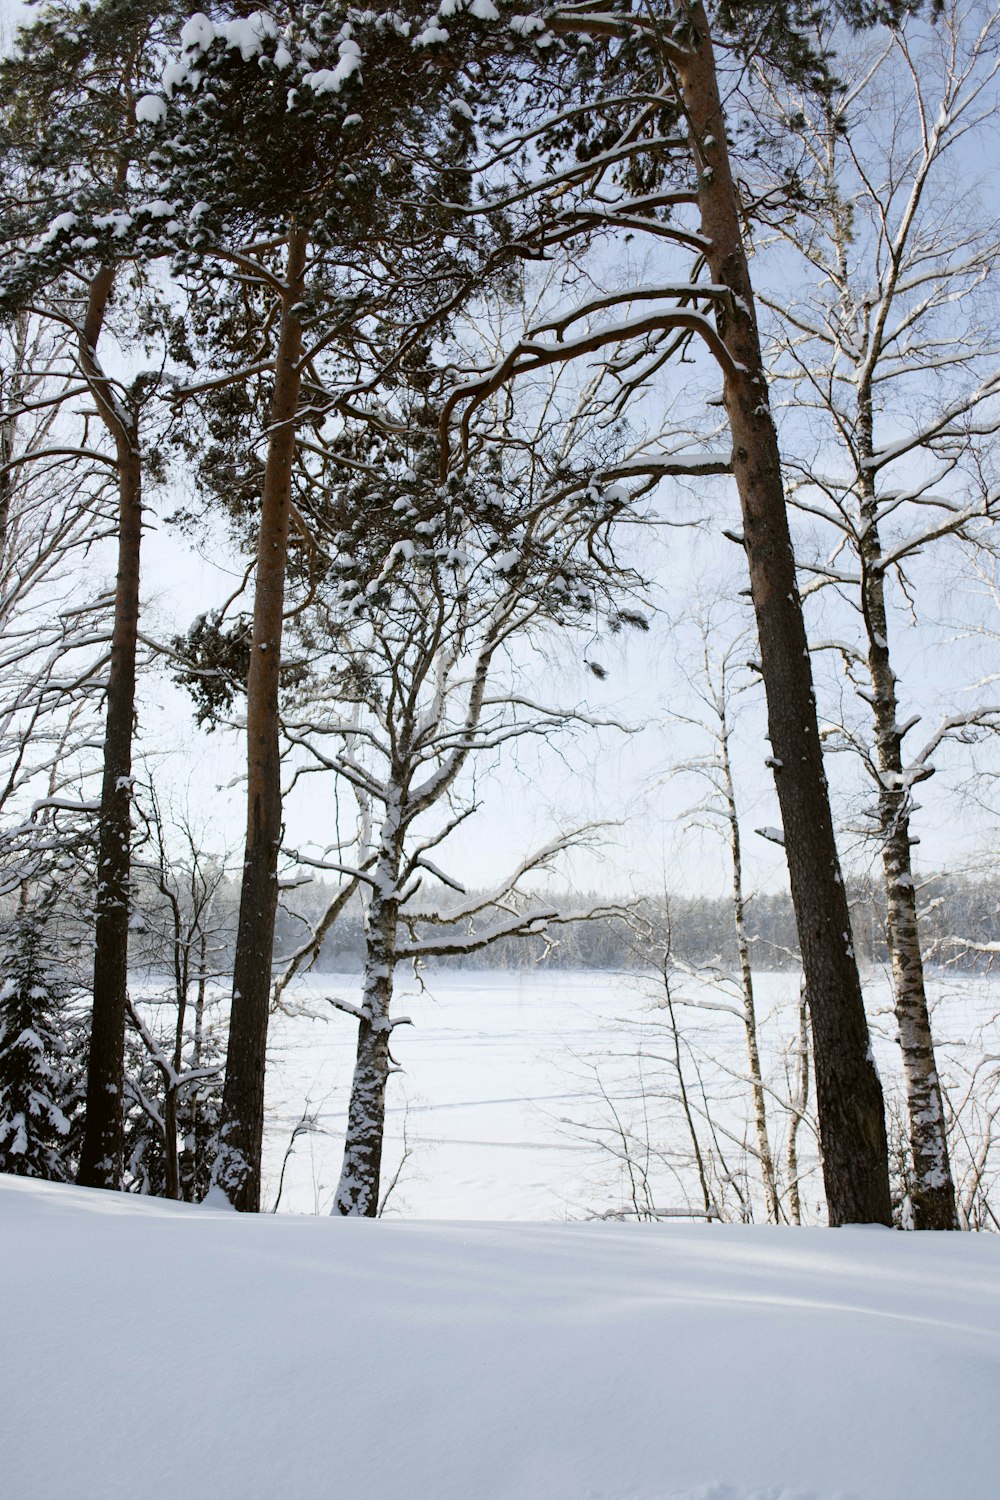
(490,1073)
(153,1350)
(500,1096)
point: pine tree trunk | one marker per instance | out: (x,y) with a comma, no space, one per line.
(933,1190)
(196,1156)
(237,1167)
(849,1094)
(171,1164)
(101,1162)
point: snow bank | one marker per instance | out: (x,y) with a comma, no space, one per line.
(155,1350)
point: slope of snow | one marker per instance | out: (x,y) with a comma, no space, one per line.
(152,1350)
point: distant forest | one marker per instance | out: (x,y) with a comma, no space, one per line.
(698,930)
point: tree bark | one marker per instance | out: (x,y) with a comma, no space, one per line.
(933,1187)
(746,972)
(798,1102)
(10,389)
(849,1094)
(358,1189)
(101,1157)
(171,1157)
(237,1166)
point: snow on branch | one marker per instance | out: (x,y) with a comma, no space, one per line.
(503,890)
(531,923)
(940,427)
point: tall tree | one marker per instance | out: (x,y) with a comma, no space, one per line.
(72,85)
(891,343)
(430,596)
(669,154)
(350,174)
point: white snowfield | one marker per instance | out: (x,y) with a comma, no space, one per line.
(155,1350)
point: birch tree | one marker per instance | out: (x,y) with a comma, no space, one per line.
(888,342)
(52,641)
(716,683)
(417,640)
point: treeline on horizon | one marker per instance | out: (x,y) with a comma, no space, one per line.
(961,918)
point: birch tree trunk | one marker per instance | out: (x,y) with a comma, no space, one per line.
(237,1166)
(799,1101)
(746,973)
(11,382)
(101,1154)
(358,1190)
(849,1094)
(933,1188)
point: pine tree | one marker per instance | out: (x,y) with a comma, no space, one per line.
(68,138)
(37,1092)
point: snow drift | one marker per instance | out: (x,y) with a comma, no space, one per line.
(155,1350)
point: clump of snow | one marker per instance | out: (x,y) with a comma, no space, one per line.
(526,25)
(57,226)
(511,1362)
(198,33)
(248,33)
(430,35)
(157,208)
(174,74)
(332,80)
(117,221)
(150,109)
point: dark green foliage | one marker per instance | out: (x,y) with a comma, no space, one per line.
(39,1086)
(254,135)
(69,152)
(219,657)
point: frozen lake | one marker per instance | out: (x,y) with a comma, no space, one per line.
(517,1089)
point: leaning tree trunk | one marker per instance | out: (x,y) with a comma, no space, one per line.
(358,1191)
(849,1094)
(171,1155)
(746,972)
(237,1166)
(933,1188)
(101,1157)
(10,390)
(798,1103)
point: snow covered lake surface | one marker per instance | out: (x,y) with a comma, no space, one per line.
(156,1350)
(514,1082)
